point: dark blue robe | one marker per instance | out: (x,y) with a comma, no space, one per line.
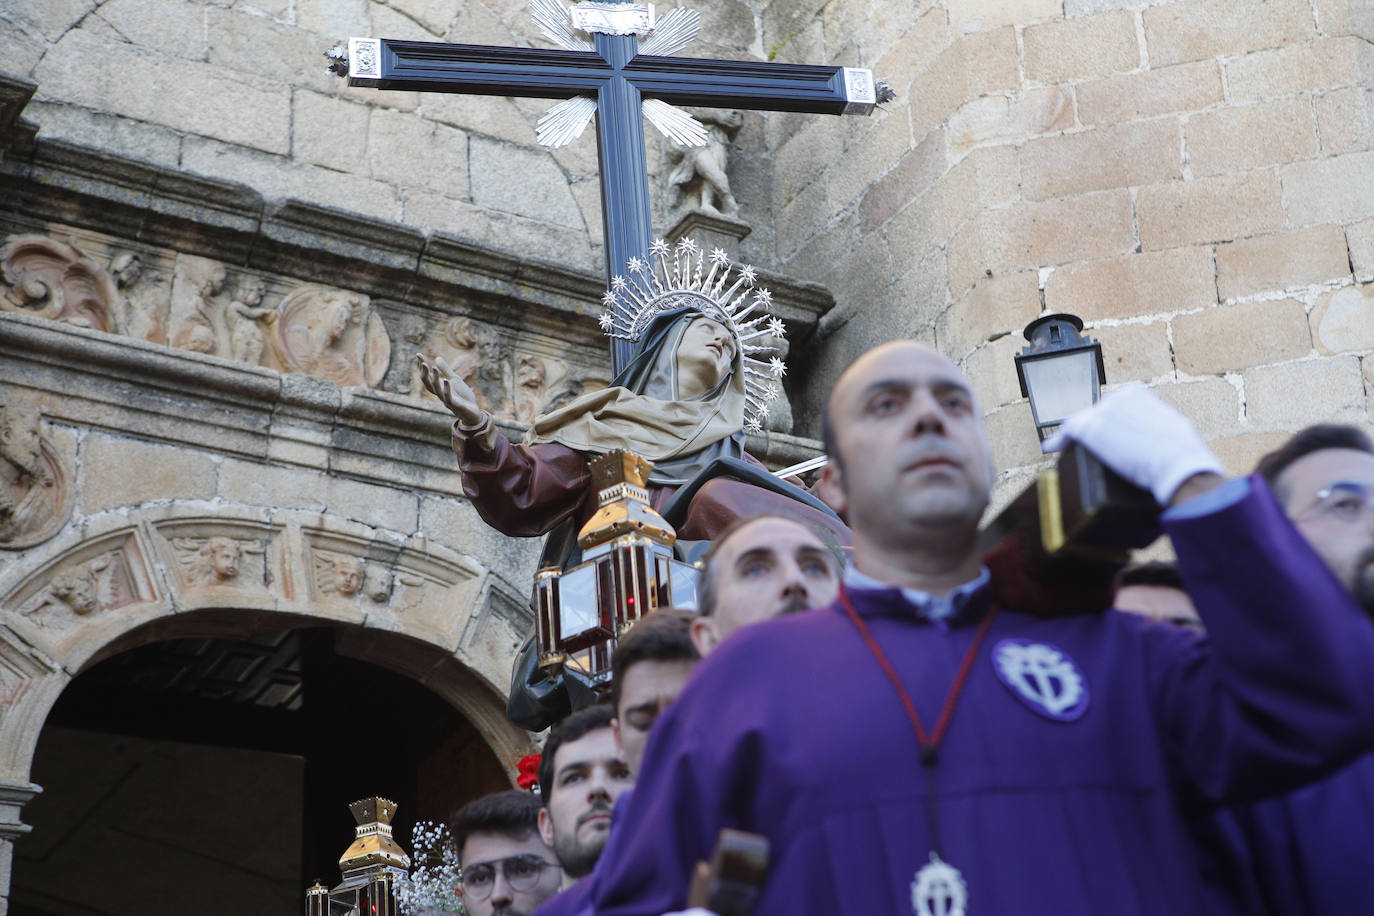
(791,730)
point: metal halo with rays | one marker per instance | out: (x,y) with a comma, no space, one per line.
(566,121)
(685,276)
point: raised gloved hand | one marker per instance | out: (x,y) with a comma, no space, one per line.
(1142,438)
(694,911)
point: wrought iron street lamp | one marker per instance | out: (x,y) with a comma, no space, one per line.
(1061,371)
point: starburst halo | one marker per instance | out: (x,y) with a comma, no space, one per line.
(686,275)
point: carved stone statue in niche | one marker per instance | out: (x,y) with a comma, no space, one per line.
(339,573)
(34,484)
(51,279)
(332,334)
(214,560)
(698,176)
(247,318)
(145,302)
(198,319)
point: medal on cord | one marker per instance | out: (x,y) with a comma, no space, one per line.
(938,889)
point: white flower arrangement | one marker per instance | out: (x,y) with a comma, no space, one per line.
(432,887)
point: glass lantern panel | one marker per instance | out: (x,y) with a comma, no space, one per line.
(1061,385)
(577,605)
(685,585)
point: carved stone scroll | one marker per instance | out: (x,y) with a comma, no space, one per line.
(54,279)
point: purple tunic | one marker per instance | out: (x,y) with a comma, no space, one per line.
(1308,853)
(791,730)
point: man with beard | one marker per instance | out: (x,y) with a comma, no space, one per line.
(1312,851)
(915,746)
(507,868)
(758,568)
(581,774)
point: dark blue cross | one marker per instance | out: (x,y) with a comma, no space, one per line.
(620,79)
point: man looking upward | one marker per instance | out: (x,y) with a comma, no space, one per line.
(913,748)
(581,774)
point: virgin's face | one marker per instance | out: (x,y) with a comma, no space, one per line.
(706,353)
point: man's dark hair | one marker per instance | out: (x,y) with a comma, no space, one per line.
(512,813)
(1155,573)
(1317,438)
(572,728)
(664,636)
(706,582)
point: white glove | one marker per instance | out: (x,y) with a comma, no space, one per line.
(1142,438)
(694,911)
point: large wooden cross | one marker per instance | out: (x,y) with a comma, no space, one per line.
(602,67)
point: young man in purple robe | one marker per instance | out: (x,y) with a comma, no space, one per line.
(912,748)
(1311,852)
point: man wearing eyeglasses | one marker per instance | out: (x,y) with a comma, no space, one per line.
(1312,851)
(507,868)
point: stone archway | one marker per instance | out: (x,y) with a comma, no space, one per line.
(179,570)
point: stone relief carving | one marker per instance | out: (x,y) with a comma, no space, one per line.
(35,488)
(216,560)
(339,573)
(332,334)
(247,319)
(54,279)
(698,178)
(510,383)
(103,583)
(144,299)
(198,320)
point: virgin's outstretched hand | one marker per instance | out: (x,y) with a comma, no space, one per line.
(440,381)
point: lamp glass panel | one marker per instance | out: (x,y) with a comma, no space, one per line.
(1062,384)
(685,577)
(577,606)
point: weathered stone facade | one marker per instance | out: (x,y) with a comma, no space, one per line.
(218,261)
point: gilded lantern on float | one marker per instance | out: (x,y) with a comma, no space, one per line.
(370,866)
(627,571)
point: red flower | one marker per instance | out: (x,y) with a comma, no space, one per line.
(528,769)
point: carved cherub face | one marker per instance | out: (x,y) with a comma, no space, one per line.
(77,590)
(223,554)
(348,576)
(251,290)
(127,268)
(530,373)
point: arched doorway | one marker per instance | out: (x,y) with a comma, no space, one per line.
(205,761)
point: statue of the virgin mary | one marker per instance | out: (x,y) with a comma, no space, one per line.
(694,385)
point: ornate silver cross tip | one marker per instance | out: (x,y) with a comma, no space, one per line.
(613,18)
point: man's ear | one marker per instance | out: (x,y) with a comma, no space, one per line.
(704,636)
(830,488)
(545,824)
(615,732)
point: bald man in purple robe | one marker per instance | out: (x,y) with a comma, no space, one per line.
(913,749)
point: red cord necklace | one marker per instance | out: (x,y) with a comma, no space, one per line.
(939,888)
